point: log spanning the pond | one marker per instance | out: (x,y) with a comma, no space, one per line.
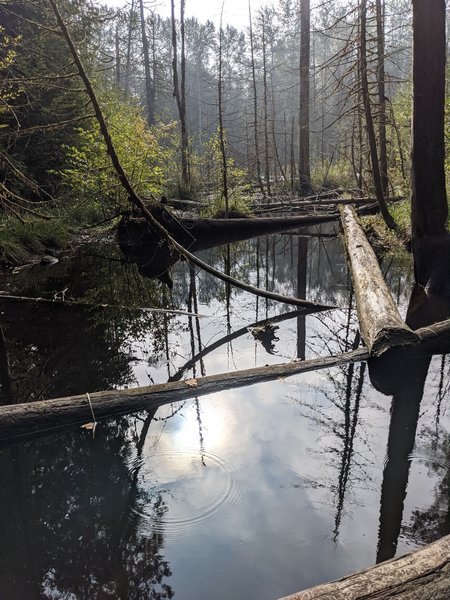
(420,575)
(25,419)
(380,322)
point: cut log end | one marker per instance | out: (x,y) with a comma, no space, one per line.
(393,337)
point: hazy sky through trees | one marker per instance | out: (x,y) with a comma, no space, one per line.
(235,12)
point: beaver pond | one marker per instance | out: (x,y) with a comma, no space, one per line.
(253,493)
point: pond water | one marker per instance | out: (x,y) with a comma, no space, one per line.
(252,493)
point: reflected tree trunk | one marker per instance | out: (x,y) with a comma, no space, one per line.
(302,276)
(5,376)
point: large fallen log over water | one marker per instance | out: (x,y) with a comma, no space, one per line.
(24,419)
(200,234)
(420,575)
(380,322)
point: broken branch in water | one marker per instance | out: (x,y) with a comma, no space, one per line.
(100,306)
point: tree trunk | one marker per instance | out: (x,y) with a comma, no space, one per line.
(221,127)
(420,575)
(428,195)
(380,18)
(148,77)
(255,104)
(266,116)
(180,94)
(129,38)
(369,120)
(304,169)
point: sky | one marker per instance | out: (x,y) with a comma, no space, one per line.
(235,12)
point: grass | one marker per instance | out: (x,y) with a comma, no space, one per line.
(20,241)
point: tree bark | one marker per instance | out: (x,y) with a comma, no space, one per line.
(304,169)
(179,93)
(221,126)
(380,322)
(429,207)
(148,76)
(255,103)
(369,120)
(420,575)
(381,83)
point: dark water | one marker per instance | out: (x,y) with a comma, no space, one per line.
(250,493)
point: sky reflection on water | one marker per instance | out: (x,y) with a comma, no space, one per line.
(249,493)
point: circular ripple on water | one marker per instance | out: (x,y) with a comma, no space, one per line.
(181,490)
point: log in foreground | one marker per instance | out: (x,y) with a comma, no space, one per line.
(24,419)
(420,575)
(380,322)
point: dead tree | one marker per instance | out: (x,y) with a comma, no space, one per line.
(376,173)
(429,209)
(304,169)
(148,77)
(179,92)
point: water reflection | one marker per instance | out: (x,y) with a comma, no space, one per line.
(252,493)
(389,375)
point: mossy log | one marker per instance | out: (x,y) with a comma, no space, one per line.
(380,323)
(420,575)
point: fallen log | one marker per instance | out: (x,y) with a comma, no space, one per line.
(420,575)
(25,419)
(143,241)
(201,234)
(381,325)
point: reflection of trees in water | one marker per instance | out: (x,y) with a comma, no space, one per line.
(403,375)
(71,519)
(340,415)
(57,350)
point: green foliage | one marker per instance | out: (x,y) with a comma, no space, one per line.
(332,175)
(237,202)
(399,133)
(145,154)
(207,168)
(20,240)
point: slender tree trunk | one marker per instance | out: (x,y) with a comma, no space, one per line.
(184,134)
(180,93)
(221,127)
(369,120)
(428,196)
(118,66)
(266,116)
(381,81)
(129,38)
(255,105)
(304,169)
(148,76)
(292,159)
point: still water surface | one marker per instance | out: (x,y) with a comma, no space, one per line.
(249,494)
